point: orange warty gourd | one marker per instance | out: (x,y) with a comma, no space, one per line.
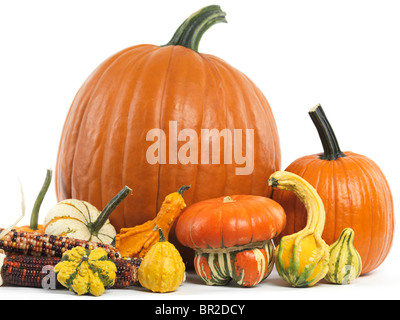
(355,194)
(135,242)
(144,87)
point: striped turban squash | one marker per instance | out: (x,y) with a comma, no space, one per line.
(231,237)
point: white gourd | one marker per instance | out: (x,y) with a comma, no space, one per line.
(72,218)
(81,220)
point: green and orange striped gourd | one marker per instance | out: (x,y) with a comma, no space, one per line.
(345,263)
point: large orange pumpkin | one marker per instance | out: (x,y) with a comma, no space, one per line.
(103,144)
(354,191)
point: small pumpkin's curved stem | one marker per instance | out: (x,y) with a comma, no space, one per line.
(329,142)
(108,209)
(36,207)
(192,29)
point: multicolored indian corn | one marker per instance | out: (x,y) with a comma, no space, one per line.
(33,271)
(44,245)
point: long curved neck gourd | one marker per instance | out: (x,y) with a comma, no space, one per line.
(327,136)
(192,29)
(307,194)
(302,258)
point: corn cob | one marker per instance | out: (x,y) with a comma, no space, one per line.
(31,271)
(38,244)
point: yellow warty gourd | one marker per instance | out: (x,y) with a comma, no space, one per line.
(302,258)
(162,269)
(86,271)
(345,262)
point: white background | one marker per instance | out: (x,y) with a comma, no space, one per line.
(342,54)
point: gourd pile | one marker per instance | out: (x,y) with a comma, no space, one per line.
(312,221)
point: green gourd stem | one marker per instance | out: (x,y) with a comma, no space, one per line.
(108,209)
(39,199)
(192,29)
(183,189)
(162,236)
(329,142)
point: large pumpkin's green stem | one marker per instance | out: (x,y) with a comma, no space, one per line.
(326,134)
(36,207)
(192,29)
(108,209)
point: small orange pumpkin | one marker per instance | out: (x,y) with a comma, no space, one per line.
(354,191)
(231,237)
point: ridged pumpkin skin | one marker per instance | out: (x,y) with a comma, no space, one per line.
(231,221)
(355,194)
(103,143)
(344,261)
